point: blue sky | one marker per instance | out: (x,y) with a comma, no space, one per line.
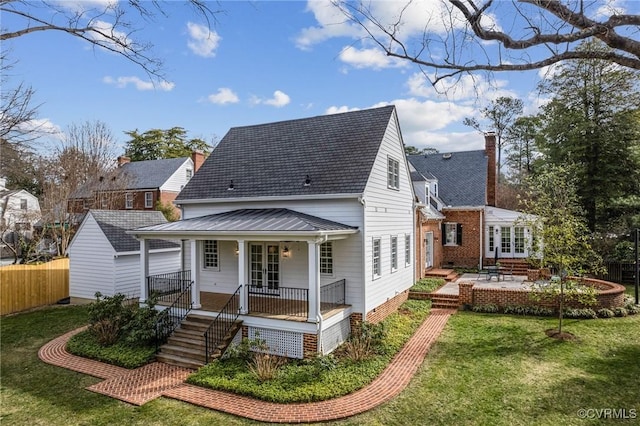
(263,62)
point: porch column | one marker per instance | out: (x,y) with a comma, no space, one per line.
(314,282)
(242,276)
(195,274)
(144,270)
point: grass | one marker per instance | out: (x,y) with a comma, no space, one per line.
(428,284)
(484,369)
(312,380)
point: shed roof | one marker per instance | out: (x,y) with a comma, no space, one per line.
(115,224)
(335,152)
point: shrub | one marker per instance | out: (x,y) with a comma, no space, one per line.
(586,313)
(265,366)
(365,341)
(488,309)
(620,312)
(107,317)
(605,313)
(632,309)
(141,328)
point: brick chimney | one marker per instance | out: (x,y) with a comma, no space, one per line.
(122,160)
(197,157)
(490,151)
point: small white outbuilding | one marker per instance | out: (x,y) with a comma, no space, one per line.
(103,258)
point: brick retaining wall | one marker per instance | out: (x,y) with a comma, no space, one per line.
(608,295)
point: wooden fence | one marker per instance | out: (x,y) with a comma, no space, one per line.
(618,272)
(29,286)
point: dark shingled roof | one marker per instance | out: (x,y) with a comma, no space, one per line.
(462,178)
(148,174)
(253,220)
(115,223)
(335,151)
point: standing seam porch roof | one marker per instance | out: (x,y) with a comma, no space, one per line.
(251,220)
(336,151)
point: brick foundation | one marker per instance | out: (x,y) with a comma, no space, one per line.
(379,313)
(310,345)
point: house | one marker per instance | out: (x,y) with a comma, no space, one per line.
(104,258)
(137,185)
(309,222)
(19,212)
(459,223)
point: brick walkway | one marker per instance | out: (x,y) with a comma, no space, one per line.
(153,380)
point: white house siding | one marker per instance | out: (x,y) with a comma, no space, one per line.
(14,212)
(126,271)
(225,278)
(178,179)
(347,253)
(91,262)
(388,213)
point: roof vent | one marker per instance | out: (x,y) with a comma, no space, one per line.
(230,188)
(307,181)
(446,156)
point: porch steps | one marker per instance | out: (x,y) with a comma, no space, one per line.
(447,274)
(520,266)
(444,301)
(186,346)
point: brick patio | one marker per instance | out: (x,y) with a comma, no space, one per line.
(157,379)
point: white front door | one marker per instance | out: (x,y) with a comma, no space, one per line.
(264,265)
(428,249)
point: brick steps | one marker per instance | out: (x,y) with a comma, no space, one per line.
(444,301)
(446,274)
(519,266)
(186,347)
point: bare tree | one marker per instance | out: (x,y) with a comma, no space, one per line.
(110,26)
(468,36)
(83,164)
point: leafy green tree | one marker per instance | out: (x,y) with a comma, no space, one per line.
(156,144)
(409,150)
(560,234)
(592,123)
(498,117)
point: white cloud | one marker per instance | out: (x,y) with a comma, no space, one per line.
(278,100)
(223,96)
(142,85)
(203,42)
(370,58)
(332,23)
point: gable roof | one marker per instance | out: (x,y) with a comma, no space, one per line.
(148,174)
(462,176)
(254,221)
(115,223)
(336,152)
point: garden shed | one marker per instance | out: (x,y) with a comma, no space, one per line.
(104,258)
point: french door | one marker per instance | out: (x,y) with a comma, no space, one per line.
(428,249)
(264,265)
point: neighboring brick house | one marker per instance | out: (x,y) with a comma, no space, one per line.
(137,185)
(458,223)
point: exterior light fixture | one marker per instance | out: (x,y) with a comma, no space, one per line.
(286,253)
(230,188)
(307,181)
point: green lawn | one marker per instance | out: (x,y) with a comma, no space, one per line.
(484,370)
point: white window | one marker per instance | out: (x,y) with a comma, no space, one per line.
(128,200)
(210,254)
(492,242)
(189,173)
(148,200)
(393,173)
(394,253)
(326,258)
(377,269)
(519,241)
(452,234)
(505,239)
(407,250)
(23,204)
(427,195)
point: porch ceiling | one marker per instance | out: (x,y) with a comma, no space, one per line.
(265,223)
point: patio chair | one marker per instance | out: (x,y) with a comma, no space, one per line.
(507,271)
(482,271)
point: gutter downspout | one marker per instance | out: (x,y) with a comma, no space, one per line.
(481,238)
(324,239)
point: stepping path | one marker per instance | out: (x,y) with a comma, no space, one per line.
(157,379)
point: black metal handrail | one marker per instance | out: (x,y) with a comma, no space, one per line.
(333,295)
(162,286)
(171,317)
(221,324)
(288,301)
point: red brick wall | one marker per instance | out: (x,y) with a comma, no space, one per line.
(468,254)
(310,345)
(609,295)
(490,151)
(168,197)
(423,226)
